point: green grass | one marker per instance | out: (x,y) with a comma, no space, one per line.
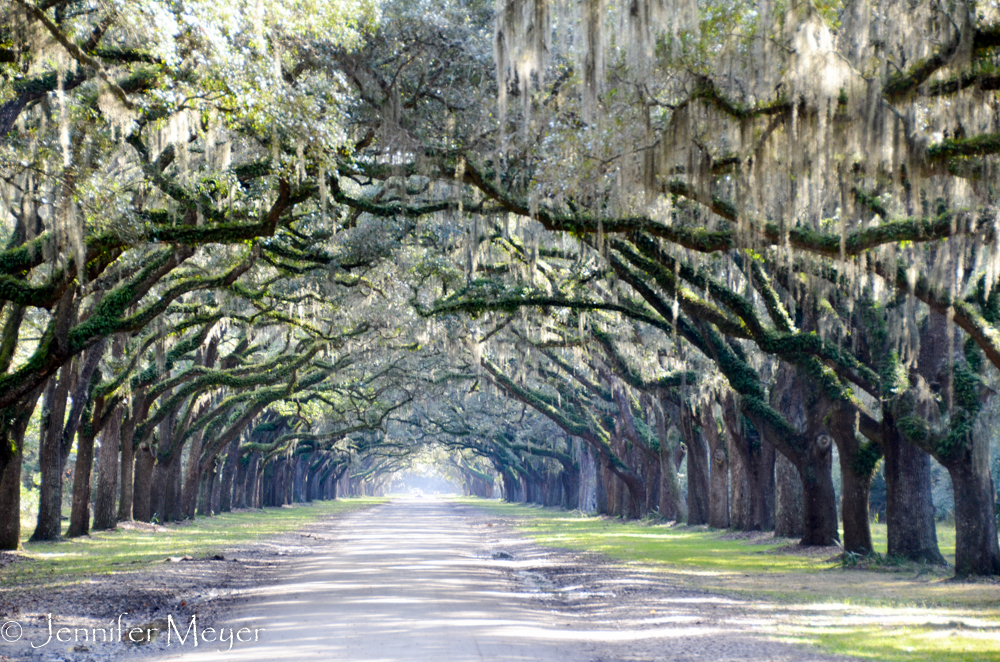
(902,606)
(899,644)
(125,550)
(945,535)
(691,549)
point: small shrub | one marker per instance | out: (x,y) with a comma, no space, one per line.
(871,560)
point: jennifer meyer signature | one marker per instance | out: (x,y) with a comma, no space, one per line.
(11,632)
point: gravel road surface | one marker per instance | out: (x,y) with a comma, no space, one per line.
(430,580)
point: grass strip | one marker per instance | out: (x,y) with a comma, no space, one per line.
(128,549)
(894,612)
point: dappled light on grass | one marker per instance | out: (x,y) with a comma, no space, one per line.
(945,536)
(921,613)
(902,644)
(698,549)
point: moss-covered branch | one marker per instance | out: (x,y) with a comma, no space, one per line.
(981,145)
(904,82)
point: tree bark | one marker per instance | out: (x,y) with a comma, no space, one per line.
(13,426)
(229,476)
(788,511)
(819,521)
(61,429)
(270,477)
(159,486)
(126,485)
(84,417)
(739,481)
(602,487)
(673,508)
(163,492)
(909,510)
(570,482)
(253,489)
(650,464)
(718,500)
(126,499)
(697,467)
(806,408)
(762,487)
(857,466)
(288,482)
(613,486)
(976,547)
(192,477)
(50,456)
(107,473)
(11,459)
(963,451)
(214,489)
(175,510)
(299,480)
(313,482)
(753,481)
(854,508)
(240,488)
(141,505)
(79,519)
(205,494)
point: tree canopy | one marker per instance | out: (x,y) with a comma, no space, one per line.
(260,250)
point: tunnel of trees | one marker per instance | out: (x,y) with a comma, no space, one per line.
(722,262)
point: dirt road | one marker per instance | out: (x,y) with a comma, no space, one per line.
(430,580)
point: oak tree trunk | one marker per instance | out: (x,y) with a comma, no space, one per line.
(976,547)
(143,475)
(718,498)
(13,426)
(159,488)
(175,511)
(651,479)
(299,472)
(857,466)
(229,477)
(739,483)
(788,514)
(240,486)
(126,500)
(204,508)
(602,487)
(819,522)
(673,507)
(107,473)
(79,518)
(50,456)
(215,488)
(192,477)
(570,479)
(762,487)
(909,510)
(697,468)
